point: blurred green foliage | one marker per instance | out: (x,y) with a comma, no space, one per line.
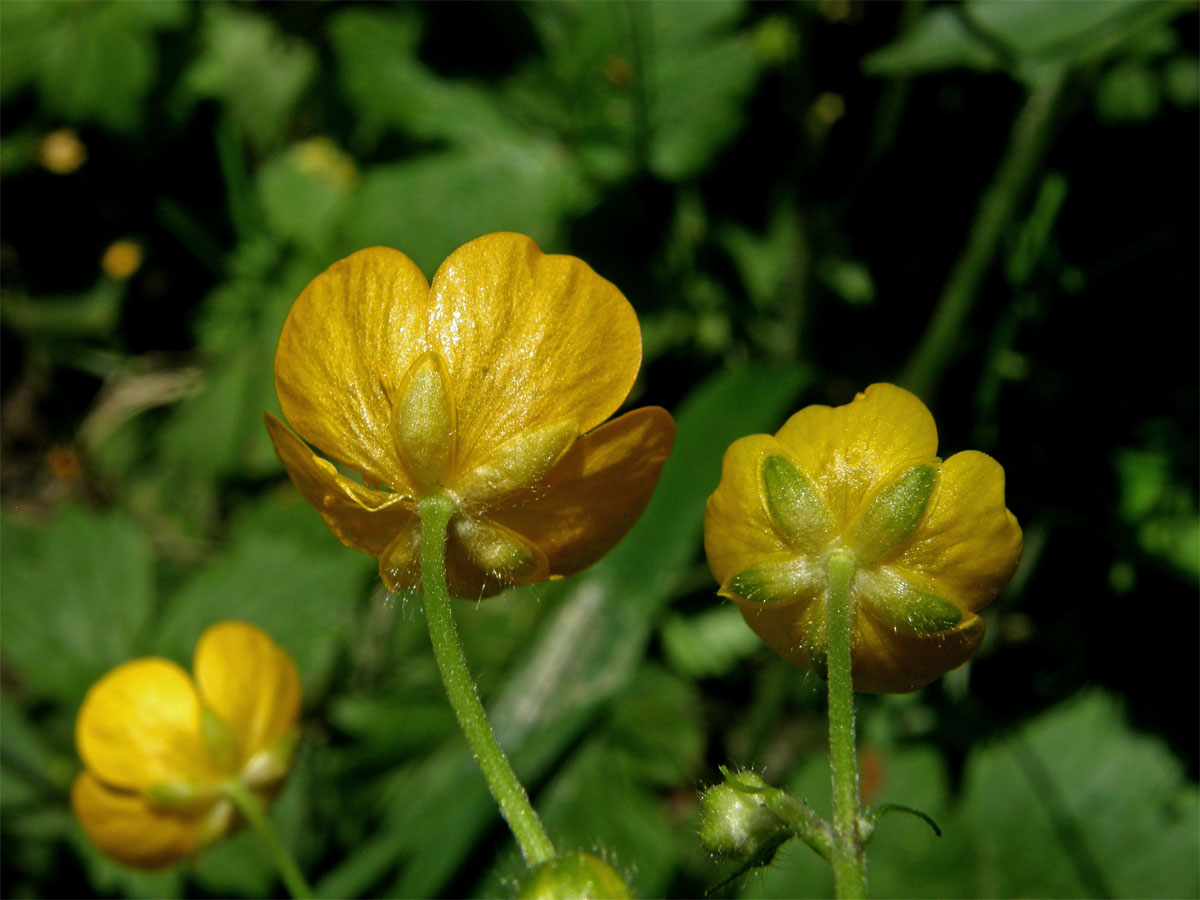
(992,200)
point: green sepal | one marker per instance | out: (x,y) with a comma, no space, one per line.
(269,766)
(780,581)
(902,604)
(179,795)
(794,503)
(894,513)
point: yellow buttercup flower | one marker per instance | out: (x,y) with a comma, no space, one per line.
(931,540)
(484,387)
(160,748)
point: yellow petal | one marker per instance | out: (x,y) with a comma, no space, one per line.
(739,530)
(362,518)
(250,683)
(348,341)
(591,498)
(139,725)
(968,544)
(895,661)
(848,450)
(796,631)
(122,825)
(528,339)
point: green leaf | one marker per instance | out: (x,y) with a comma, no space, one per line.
(256,72)
(938,41)
(709,644)
(665,83)
(78,595)
(432,205)
(303,599)
(91,62)
(1078,805)
(390,88)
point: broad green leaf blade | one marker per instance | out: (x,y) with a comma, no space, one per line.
(78,596)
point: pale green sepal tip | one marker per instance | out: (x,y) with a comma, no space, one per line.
(773,582)
(902,605)
(271,764)
(894,513)
(179,795)
(794,504)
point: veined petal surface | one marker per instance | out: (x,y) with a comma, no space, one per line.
(125,827)
(346,345)
(529,339)
(245,678)
(140,725)
(848,450)
(588,501)
(968,542)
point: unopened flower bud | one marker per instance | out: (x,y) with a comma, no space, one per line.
(575,876)
(733,822)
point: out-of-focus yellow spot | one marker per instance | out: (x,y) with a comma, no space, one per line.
(121,259)
(835,10)
(62,152)
(618,71)
(323,159)
(63,463)
(827,109)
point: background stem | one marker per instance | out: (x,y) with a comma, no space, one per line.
(252,811)
(502,781)
(849,856)
(1027,144)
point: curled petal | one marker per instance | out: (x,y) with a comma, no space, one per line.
(249,683)
(588,501)
(362,518)
(529,340)
(848,450)
(139,725)
(349,339)
(968,544)
(125,827)
(739,530)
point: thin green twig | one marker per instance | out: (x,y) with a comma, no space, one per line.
(252,811)
(502,781)
(1027,144)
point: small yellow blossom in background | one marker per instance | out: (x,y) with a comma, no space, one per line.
(61,151)
(931,540)
(121,260)
(159,747)
(484,387)
(323,159)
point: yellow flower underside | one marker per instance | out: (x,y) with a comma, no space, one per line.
(487,386)
(158,745)
(932,539)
